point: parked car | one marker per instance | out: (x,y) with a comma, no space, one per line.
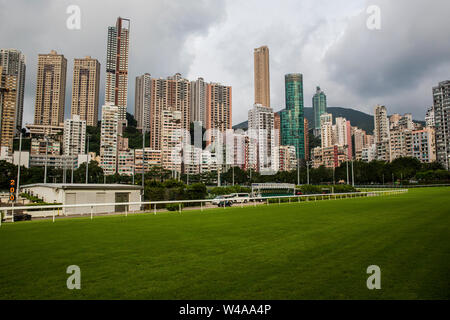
(217,200)
(225,203)
(22,217)
(240,197)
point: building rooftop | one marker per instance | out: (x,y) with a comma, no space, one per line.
(97,186)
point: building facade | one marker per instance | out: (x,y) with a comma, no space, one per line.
(50,89)
(319,103)
(8,109)
(292,118)
(74,136)
(85,90)
(109,138)
(441,104)
(262,76)
(142,101)
(13,64)
(116,83)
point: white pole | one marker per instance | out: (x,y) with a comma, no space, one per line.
(92,212)
(18,168)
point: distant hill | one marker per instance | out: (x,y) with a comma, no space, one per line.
(357,118)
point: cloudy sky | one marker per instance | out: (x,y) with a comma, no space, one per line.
(326,40)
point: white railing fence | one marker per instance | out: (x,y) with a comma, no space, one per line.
(54,210)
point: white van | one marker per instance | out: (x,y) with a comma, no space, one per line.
(240,197)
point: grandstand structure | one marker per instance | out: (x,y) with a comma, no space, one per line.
(273,189)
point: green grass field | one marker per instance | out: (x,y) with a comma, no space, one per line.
(314,250)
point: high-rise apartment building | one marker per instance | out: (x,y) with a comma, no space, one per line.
(424,144)
(429,117)
(262,76)
(292,118)
(198,100)
(171,94)
(171,139)
(326,130)
(109,138)
(382,133)
(50,89)
(116,83)
(441,104)
(8,103)
(74,136)
(319,103)
(12,62)
(400,143)
(85,89)
(306,129)
(218,107)
(263,149)
(142,101)
(381,124)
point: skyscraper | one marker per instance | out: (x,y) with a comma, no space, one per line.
(263,145)
(198,100)
(8,101)
(218,107)
(13,63)
(142,101)
(85,88)
(319,102)
(381,124)
(262,76)
(172,94)
(441,103)
(109,138)
(292,118)
(74,135)
(381,133)
(50,89)
(116,86)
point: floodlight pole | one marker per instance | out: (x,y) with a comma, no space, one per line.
(18,168)
(46,159)
(353,175)
(87,160)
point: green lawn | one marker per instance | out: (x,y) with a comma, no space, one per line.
(314,250)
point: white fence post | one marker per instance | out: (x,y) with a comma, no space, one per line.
(92,212)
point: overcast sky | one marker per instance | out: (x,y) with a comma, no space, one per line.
(325,40)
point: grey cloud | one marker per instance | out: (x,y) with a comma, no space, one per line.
(392,65)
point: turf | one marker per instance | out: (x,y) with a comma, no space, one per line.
(315,250)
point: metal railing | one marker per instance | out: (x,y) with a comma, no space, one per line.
(152,205)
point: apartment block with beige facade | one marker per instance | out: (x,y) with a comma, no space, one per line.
(50,89)
(262,76)
(85,90)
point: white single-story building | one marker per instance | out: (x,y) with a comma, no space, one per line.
(79,193)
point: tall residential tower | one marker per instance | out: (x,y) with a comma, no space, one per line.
(85,88)
(116,86)
(441,103)
(50,89)
(292,118)
(319,103)
(13,63)
(262,76)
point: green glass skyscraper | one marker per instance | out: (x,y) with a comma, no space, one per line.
(319,102)
(292,123)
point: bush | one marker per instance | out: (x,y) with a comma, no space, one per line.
(174,206)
